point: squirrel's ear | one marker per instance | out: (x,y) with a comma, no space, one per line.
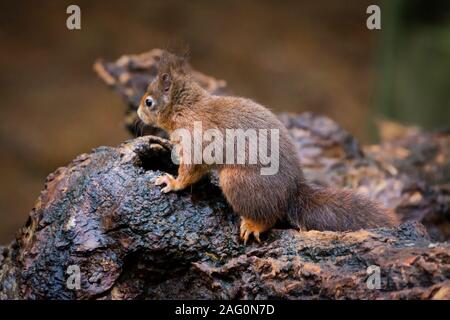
(166,81)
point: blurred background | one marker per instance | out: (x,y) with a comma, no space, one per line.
(290,56)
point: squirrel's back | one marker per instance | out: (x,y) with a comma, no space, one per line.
(286,195)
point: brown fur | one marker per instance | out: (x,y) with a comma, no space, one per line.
(260,200)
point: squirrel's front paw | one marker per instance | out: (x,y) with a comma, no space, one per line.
(168,180)
(249,227)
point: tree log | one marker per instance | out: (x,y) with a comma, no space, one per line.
(103,215)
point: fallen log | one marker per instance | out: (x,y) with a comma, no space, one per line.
(103,214)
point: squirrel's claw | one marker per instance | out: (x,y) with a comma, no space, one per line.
(256,236)
(249,227)
(163,179)
(245,234)
(168,180)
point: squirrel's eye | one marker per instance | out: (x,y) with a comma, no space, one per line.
(149,102)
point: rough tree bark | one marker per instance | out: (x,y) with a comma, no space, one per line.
(103,214)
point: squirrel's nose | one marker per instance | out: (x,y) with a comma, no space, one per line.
(149,102)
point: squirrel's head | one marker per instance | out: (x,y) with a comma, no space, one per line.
(163,91)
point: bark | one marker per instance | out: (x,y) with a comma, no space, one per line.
(103,214)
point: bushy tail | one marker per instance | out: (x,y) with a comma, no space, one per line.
(340,210)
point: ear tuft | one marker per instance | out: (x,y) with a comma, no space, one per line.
(173,64)
(166,81)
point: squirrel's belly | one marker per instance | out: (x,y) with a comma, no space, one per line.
(255,196)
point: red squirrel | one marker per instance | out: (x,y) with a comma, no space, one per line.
(175,101)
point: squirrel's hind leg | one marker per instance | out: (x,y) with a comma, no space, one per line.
(249,227)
